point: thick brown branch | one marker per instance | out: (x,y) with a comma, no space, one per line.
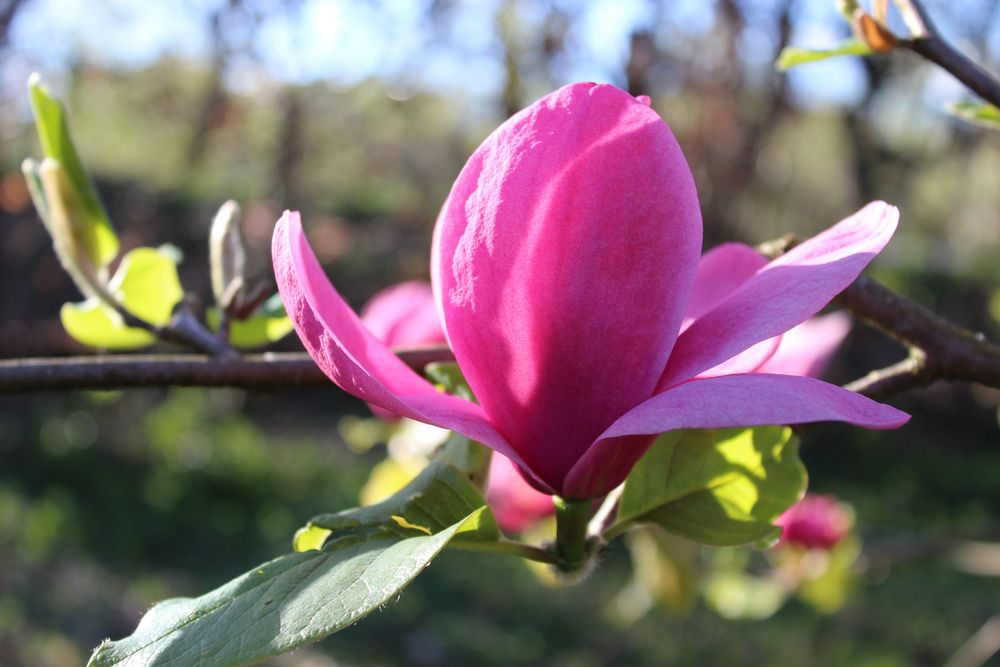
(264,371)
(938,348)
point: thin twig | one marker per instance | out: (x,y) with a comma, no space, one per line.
(932,47)
(269,371)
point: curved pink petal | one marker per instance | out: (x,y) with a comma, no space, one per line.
(783,293)
(352,357)
(753,399)
(564,257)
(404,315)
(806,349)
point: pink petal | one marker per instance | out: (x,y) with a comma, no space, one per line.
(783,293)
(352,357)
(404,315)
(563,259)
(514,502)
(721,271)
(806,349)
(722,402)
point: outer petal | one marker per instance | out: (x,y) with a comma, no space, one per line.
(352,357)
(806,349)
(753,399)
(564,257)
(404,315)
(783,293)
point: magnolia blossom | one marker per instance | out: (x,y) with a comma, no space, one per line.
(815,522)
(566,269)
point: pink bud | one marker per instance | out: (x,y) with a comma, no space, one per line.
(815,522)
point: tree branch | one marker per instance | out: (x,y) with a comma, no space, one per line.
(937,348)
(271,371)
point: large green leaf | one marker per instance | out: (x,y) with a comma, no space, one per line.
(92,223)
(146,284)
(435,499)
(720,487)
(979,113)
(792,57)
(268,324)
(290,601)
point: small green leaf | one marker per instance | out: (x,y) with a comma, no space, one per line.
(979,113)
(435,499)
(92,322)
(268,324)
(93,225)
(288,602)
(718,487)
(792,57)
(146,284)
(469,456)
(448,376)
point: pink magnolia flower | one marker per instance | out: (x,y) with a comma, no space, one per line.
(564,261)
(514,502)
(815,522)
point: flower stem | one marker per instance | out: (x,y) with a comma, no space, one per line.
(508,548)
(572,517)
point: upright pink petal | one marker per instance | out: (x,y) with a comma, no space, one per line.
(514,502)
(721,271)
(753,399)
(404,315)
(352,357)
(784,293)
(806,349)
(564,258)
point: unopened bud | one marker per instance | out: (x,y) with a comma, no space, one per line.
(60,211)
(227,255)
(872,33)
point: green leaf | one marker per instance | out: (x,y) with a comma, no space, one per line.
(435,499)
(792,57)
(146,284)
(268,324)
(290,601)
(718,487)
(979,113)
(92,224)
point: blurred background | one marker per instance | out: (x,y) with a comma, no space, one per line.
(360,114)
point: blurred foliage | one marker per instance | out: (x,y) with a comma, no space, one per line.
(111,501)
